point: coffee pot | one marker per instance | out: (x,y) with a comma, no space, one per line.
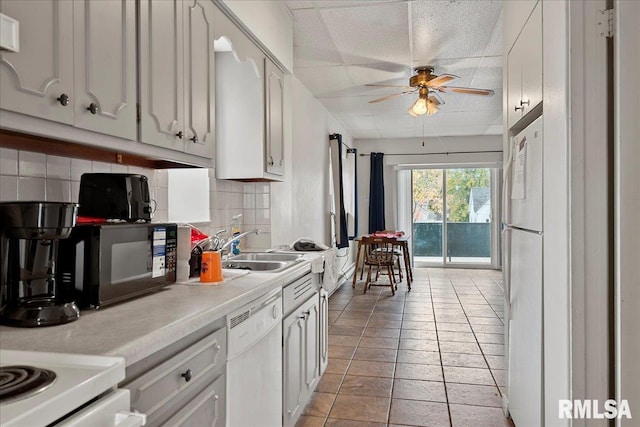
(30,292)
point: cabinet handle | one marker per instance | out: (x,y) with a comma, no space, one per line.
(305,314)
(180,134)
(187,375)
(63,99)
(524,102)
(270,160)
(93,108)
(518,108)
(194,139)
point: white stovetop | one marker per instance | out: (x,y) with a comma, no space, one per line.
(79,378)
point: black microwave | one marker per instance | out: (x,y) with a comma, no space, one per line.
(108,263)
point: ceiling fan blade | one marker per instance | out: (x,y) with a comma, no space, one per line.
(466,90)
(384,98)
(441,80)
(436,98)
(376,85)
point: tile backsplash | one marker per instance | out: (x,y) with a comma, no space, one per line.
(26,175)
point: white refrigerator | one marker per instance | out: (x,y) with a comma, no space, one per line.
(523,234)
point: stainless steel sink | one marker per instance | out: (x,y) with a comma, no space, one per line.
(262,266)
(265,256)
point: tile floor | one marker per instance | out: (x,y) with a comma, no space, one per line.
(432,357)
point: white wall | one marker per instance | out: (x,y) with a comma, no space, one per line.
(300,204)
(479,146)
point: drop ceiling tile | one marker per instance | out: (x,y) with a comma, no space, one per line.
(356,122)
(355,105)
(489,73)
(391,121)
(324,81)
(494,130)
(397,133)
(380,73)
(299,4)
(467,118)
(444,29)
(312,44)
(482,103)
(494,46)
(365,134)
(371,34)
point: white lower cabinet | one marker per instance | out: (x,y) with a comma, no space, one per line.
(323,330)
(206,409)
(188,389)
(300,358)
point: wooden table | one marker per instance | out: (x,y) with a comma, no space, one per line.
(403,243)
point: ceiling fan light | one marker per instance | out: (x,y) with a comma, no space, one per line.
(432,107)
(419,107)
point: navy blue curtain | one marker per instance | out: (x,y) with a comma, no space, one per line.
(376,194)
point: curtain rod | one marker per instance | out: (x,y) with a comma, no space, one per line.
(337,136)
(433,154)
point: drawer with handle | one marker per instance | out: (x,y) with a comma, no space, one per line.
(162,387)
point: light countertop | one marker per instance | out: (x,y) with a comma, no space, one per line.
(138,328)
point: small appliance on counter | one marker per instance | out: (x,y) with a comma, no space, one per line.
(30,292)
(108,263)
(114,196)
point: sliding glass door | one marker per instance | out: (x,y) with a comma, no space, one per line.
(452,216)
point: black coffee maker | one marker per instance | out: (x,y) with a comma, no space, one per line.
(30,294)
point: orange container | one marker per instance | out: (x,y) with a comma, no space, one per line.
(211,267)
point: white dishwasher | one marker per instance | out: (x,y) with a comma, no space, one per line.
(254,363)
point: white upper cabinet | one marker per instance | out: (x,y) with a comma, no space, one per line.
(177,99)
(249,108)
(76,64)
(199,72)
(105,67)
(38,80)
(524,69)
(274,86)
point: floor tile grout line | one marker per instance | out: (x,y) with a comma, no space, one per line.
(485,298)
(435,325)
(352,355)
(476,338)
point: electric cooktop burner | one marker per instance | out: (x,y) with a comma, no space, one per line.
(18,382)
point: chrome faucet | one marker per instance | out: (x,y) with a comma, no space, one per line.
(236,238)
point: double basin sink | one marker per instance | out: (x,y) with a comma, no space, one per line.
(262,261)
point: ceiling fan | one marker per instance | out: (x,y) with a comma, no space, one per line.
(428,85)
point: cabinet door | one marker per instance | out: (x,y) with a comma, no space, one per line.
(38,80)
(293,333)
(514,86)
(105,67)
(161,73)
(530,42)
(312,349)
(207,409)
(323,330)
(275,126)
(199,90)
